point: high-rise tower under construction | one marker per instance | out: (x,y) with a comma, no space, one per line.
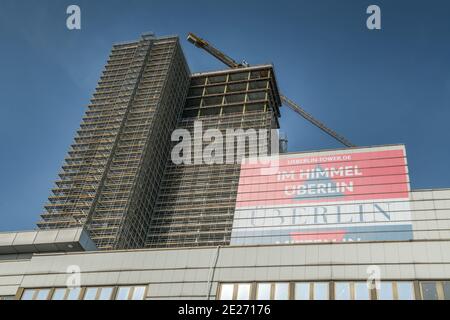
(110,180)
(119,180)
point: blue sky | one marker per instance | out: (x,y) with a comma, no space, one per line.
(375,87)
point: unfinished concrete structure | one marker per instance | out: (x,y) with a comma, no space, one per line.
(195,206)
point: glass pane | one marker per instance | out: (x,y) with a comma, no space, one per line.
(385,292)
(362,292)
(105,293)
(90,294)
(302,291)
(243,291)
(58,294)
(320,291)
(446,285)
(138,293)
(122,293)
(28,294)
(405,290)
(74,293)
(43,294)
(281,291)
(429,291)
(342,291)
(226,292)
(263,292)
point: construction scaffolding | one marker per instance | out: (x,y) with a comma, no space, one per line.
(111,176)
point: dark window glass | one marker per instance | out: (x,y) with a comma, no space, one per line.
(429,291)
(446,285)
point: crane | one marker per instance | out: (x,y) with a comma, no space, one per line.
(205,45)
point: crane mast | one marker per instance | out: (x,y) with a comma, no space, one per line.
(205,45)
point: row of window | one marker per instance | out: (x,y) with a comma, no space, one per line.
(340,290)
(86,293)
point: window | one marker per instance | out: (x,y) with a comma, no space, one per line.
(73,293)
(105,293)
(385,291)
(123,293)
(238,76)
(233,109)
(217,79)
(435,290)
(321,291)
(28,294)
(263,291)
(131,293)
(235,98)
(429,291)
(302,291)
(259,74)
(446,287)
(362,291)
(138,293)
(243,291)
(239,291)
(66,294)
(236,87)
(214,90)
(209,111)
(90,294)
(342,291)
(59,294)
(211,101)
(42,294)
(35,294)
(405,291)
(256,96)
(351,291)
(281,291)
(399,290)
(255,107)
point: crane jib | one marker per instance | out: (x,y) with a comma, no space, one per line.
(201,43)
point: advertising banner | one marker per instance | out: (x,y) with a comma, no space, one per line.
(342,195)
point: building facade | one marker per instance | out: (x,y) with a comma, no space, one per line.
(417,269)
